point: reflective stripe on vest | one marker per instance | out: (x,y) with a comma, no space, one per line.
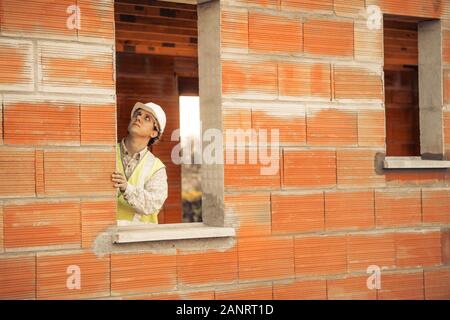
(148,165)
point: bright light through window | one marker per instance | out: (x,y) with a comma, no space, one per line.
(189,117)
(190,173)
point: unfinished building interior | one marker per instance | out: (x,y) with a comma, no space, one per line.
(157,60)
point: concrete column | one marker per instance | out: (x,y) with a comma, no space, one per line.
(431,90)
(211,108)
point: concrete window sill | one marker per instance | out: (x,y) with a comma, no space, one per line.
(414,163)
(174,231)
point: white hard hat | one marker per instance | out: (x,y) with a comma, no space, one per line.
(155,110)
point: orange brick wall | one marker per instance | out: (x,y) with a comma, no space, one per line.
(309,231)
(314,70)
(58,106)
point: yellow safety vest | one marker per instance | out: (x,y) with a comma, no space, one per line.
(148,165)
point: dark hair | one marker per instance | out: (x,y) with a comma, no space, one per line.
(152,140)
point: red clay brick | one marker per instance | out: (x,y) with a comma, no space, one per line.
(236,119)
(437,284)
(234,29)
(16,67)
(301,290)
(261,292)
(316,6)
(163,150)
(445,244)
(272,4)
(46,223)
(415,8)
(154,296)
(297,213)
(172,110)
(78,172)
(414,177)
(82,68)
(446,120)
(327,37)
(446,46)
(249,77)
(1,123)
(436,206)
(371,128)
(320,255)
(372,249)
(418,249)
(52,275)
(98,124)
(368,42)
(27,18)
(252,212)
(250,175)
(401,286)
(330,127)
(309,168)
(97,20)
(356,168)
(265,258)
(349,210)
(1,227)
(172,214)
(397,208)
(197,295)
(357,83)
(17,169)
(42,123)
(174,191)
(176,295)
(290,123)
(304,80)
(446,86)
(348,7)
(18,277)
(350,288)
(96,216)
(274,33)
(161,219)
(400,45)
(141,273)
(205,268)
(39,173)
